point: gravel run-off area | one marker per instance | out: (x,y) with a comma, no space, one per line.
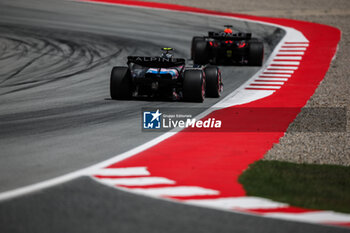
(333,92)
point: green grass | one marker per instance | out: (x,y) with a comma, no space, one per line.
(324,187)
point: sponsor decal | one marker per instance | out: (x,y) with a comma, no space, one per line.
(155,59)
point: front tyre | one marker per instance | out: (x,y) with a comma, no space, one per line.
(120,83)
(194,86)
(213,81)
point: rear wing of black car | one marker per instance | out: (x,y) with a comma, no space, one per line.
(230,36)
(156,62)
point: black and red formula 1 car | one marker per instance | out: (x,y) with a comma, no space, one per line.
(227,48)
(164,76)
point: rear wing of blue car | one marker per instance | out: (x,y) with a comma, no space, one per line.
(230,36)
(156,62)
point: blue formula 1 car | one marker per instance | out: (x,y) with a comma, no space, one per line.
(164,76)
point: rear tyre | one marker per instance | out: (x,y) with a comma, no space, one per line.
(256,53)
(194,86)
(199,51)
(120,83)
(213,81)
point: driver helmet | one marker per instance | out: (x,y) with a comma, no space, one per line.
(166,53)
(228,29)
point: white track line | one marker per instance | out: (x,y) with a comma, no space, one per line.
(301,49)
(274,79)
(295,46)
(178,191)
(288,58)
(243,96)
(274,62)
(283,67)
(265,87)
(290,53)
(279,83)
(278,71)
(239,203)
(141,181)
(313,217)
(276,75)
(130,171)
(296,42)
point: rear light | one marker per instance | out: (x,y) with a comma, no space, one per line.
(213,44)
(241,44)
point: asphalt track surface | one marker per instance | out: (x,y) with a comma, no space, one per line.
(56,116)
